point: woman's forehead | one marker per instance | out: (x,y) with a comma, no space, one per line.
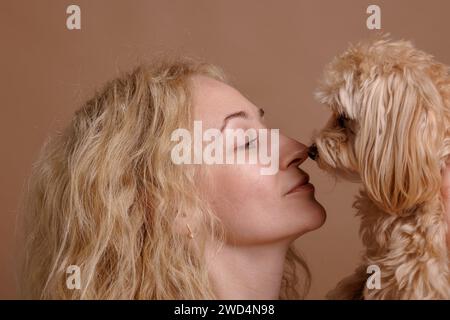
(213,100)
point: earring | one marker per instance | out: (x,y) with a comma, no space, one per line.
(190,235)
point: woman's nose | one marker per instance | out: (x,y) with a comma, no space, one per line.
(293,153)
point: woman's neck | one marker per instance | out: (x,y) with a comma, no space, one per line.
(248,272)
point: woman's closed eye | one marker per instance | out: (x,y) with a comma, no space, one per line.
(251,143)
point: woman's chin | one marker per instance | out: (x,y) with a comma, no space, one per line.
(313,217)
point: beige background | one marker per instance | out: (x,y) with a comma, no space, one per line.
(274,51)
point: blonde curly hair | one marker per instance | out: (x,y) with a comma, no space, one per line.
(103,195)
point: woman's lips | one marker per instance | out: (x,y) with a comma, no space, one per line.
(302,186)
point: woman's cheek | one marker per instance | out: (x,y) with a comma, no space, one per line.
(242,187)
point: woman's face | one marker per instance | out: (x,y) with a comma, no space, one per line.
(254,208)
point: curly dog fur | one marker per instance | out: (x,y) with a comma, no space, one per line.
(390,130)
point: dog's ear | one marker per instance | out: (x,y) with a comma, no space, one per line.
(401,138)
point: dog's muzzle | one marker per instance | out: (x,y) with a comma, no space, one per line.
(313,153)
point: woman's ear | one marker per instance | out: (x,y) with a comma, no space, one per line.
(401,135)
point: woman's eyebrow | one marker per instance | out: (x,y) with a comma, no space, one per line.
(239,114)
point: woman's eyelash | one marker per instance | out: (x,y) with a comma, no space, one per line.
(247,145)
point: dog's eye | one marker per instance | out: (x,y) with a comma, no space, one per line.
(341,120)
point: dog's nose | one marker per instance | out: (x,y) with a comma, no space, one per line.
(313,152)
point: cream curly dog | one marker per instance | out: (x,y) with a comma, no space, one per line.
(390,130)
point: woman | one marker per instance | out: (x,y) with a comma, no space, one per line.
(106,197)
